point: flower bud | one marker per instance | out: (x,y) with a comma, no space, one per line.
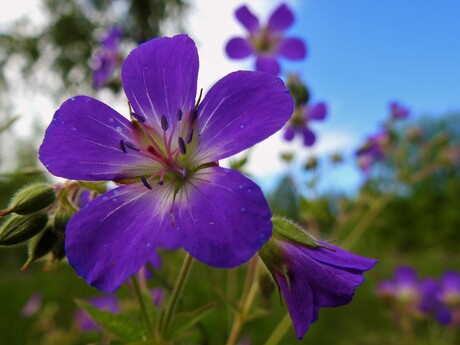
(19,229)
(41,245)
(298,90)
(31,199)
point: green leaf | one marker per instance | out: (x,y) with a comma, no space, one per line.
(183,322)
(119,325)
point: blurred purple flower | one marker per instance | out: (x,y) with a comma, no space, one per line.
(398,111)
(448,310)
(107,57)
(84,321)
(299,123)
(173,194)
(311,277)
(158,296)
(268,42)
(33,305)
(403,289)
(373,150)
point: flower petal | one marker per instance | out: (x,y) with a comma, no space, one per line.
(159,78)
(338,257)
(238,48)
(248,19)
(268,64)
(289,133)
(293,48)
(83,143)
(300,302)
(240,110)
(114,236)
(281,19)
(309,137)
(317,112)
(223,217)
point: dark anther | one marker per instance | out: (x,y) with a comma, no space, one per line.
(184,173)
(179,114)
(189,137)
(182,145)
(131,146)
(164,123)
(146,184)
(122,146)
(160,182)
(138,117)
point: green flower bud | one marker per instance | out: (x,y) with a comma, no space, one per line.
(60,221)
(41,245)
(288,230)
(31,199)
(18,229)
(298,90)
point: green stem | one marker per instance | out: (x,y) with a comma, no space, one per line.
(141,301)
(177,292)
(279,331)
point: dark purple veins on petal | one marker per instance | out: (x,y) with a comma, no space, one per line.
(164,123)
(146,184)
(122,146)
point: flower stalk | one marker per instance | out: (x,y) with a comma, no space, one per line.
(140,300)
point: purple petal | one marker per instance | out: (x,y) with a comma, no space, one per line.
(114,236)
(292,48)
(309,137)
(444,315)
(223,217)
(317,112)
(405,276)
(281,19)
(338,257)
(289,133)
(451,282)
(105,64)
(159,78)
(268,64)
(300,302)
(240,110)
(238,48)
(248,19)
(111,39)
(83,143)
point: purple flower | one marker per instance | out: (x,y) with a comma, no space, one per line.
(398,111)
(173,193)
(448,310)
(84,321)
(33,305)
(267,42)
(404,289)
(311,276)
(300,121)
(373,150)
(107,57)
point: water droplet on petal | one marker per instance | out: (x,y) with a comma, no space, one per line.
(242,126)
(111,119)
(148,244)
(249,190)
(119,129)
(240,186)
(74,129)
(242,209)
(114,199)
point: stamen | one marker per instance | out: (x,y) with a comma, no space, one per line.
(122,146)
(182,146)
(199,99)
(189,137)
(184,173)
(131,146)
(179,114)
(146,184)
(138,117)
(164,123)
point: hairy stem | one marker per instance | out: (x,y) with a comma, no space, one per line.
(279,331)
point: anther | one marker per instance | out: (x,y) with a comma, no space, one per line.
(131,146)
(179,114)
(189,137)
(138,117)
(182,145)
(146,184)
(184,173)
(122,146)
(160,182)
(199,99)
(164,123)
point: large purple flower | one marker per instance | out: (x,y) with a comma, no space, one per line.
(267,42)
(107,57)
(311,276)
(300,122)
(173,193)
